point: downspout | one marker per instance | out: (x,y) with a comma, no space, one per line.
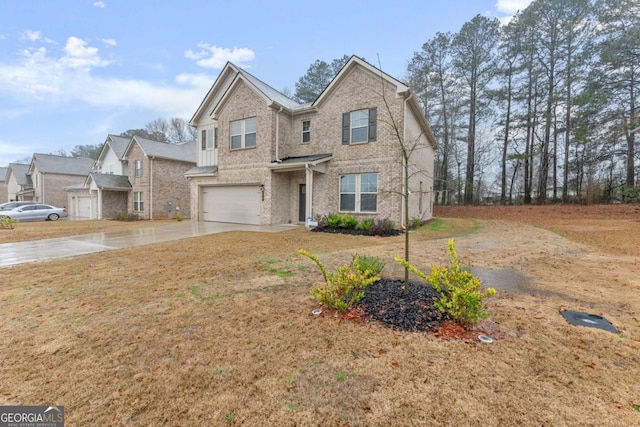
(150,188)
(42,187)
(278,135)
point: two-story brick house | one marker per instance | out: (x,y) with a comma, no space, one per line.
(265,159)
(4,193)
(18,183)
(156,172)
(105,191)
(50,176)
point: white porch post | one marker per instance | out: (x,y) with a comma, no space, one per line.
(99,207)
(309,187)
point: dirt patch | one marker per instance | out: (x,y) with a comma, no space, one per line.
(218,330)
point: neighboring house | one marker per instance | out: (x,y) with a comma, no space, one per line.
(51,175)
(156,171)
(105,191)
(4,194)
(265,159)
(18,183)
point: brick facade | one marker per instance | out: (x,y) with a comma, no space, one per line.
(279,136)
(163,185)
(50,188)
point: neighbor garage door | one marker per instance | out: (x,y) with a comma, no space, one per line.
(237,204)
(84,207)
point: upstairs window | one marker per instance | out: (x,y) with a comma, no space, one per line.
(138,168)
(306,131)
(359,126)
(243,133)
(209,139)
(359,192)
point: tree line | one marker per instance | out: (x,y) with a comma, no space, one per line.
(541,109)
(176,130)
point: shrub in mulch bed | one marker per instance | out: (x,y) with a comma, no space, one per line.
(355,232)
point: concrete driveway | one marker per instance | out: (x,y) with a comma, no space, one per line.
(64,247)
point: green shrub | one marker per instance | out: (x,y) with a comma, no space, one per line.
(179,218)
(459,290)
(415,223)
(333,220)
(366,264)
(349,222)
(381,226)
(6,222)
(126,216)
(365,224)
(346,286)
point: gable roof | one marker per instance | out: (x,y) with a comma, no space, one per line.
(230,75)
(353,62)
(402,91)
(163,150)
(48,163)
(118,145)
(19,171)
(108,181)
(3,173)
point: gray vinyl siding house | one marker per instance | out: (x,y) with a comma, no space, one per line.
(265,159)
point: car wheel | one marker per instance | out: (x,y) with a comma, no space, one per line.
(53,217)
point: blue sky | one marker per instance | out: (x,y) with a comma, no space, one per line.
(73,71)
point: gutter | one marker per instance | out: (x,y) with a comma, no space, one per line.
(150,188)
(278,135)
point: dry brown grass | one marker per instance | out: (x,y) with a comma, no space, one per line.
(205,332)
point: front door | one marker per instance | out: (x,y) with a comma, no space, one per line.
(302,203)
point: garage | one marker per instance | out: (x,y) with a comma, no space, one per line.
(235,203)
(84,207)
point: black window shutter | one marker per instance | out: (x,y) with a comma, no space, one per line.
(345,128)
(373,118)
(215,137)
(203,139)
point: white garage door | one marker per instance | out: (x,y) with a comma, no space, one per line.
(84,207)
(238,204)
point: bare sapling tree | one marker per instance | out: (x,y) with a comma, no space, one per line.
(409,146)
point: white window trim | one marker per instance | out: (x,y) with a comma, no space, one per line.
(138,203)
(136,169)
(352,127)
(358,193)
(209,134)
(243,134)
(302,131)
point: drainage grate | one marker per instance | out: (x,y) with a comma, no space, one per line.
(588,320)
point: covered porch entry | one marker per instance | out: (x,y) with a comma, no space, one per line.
(298,175)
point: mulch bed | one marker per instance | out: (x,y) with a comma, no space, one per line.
(385,233)
(386,303)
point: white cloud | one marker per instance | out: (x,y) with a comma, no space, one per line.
(37,75)
(109,42)
(99,4)
(30,35)
(79,55)
(512,6)
(215,57)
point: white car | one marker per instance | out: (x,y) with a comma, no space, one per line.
(11,205)
(35,212)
